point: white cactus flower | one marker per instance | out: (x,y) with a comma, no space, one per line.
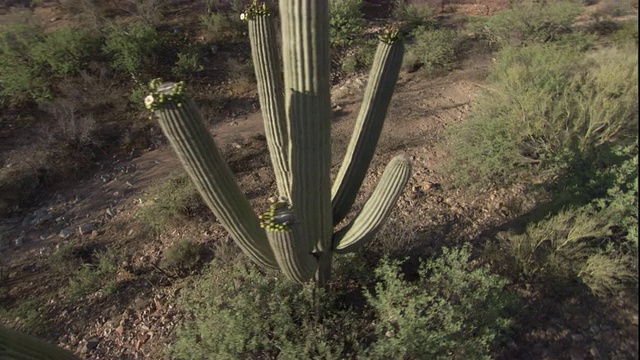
(148,101)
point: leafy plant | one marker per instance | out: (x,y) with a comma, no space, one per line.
(453,311)
(527,22)
(182,256)
(65,51)
(95,276)
(188,63)
(549,106)
(431,48)
(236,311)
(414,15)
(132,47)
(346,22)
(21,79)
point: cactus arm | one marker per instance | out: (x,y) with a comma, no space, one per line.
(377,96)
(283,231)
(305,42)
(18,345)
(266,61)
(377,207)
(181,123)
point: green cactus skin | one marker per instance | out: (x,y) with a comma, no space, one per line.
(20,346)
(377,207)
(368,126)
(305,49)
(181,123)
(267,65)
(297,232)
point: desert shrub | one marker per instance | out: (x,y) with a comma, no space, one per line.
(183,256)
(528,21)
(221,27)
(21,78)
(28,315)
(100,274)
(188,63)
(548,107)
(346,22)
(454,311)
(171,202)
(236,311)
(32,61)
(65,51)
(412,16)
(431,48)
(64,261)
(572,245)
(132,47)
(626,34)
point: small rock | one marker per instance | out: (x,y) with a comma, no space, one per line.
(110,212)
(129,183)
(19,241)
(86,228)
(65,233)
(40,216)
(94,234)
(89,345)
(236,145)
(577,337)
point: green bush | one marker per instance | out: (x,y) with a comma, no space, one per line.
(21,79)
(431,48)
(528,21)
(575,244)
(548,106)
(413,15)
(65,51)
(346,22)
(95,276)
(183,256)
(236,311)
(454,311)
(132,47)
(188,63)
(222,27)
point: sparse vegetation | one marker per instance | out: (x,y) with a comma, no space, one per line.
(99,275)
(183,256)
(170,203)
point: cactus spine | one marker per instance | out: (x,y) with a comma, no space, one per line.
(296,234)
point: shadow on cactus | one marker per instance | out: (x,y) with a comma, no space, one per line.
(296,235)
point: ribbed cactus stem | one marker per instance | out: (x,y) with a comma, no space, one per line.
(268,69)
(377,208)
(181,123)
(283,231)
(305,42)
(368,126)
(17,345)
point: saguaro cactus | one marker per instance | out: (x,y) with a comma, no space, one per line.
(297,233)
